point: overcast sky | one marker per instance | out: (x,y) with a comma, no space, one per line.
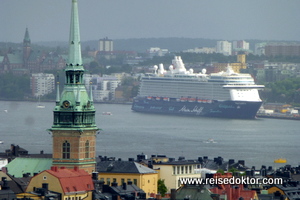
(48,20)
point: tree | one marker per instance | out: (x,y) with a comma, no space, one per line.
(161,187)
(221,171)
(95,68)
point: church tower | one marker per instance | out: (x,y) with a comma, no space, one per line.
(74,128)
(26,47)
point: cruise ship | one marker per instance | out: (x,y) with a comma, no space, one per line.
(179,91)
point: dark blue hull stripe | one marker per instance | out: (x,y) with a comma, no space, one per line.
(224,109)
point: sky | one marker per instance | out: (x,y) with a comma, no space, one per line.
(49,20)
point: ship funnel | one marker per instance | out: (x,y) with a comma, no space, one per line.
(229,70)
(171,68)
(178,64)
(161,69)
(155,69)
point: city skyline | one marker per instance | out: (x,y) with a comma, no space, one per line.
(222,20)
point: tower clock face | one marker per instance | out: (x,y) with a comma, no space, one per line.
(66,104)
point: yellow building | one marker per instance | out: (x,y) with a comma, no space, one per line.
(173,171)
(72,184)
(123,171)
(240,64)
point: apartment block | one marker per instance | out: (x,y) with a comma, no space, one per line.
(42,84)
(224,47)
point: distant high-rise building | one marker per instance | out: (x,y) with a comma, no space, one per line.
(224,47)
(106,45)
(156,51)
(282,49)
(260,48)
(42,84)
(240,44)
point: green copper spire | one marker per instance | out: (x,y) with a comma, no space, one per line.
(74,107)
(74,38)
(26,39)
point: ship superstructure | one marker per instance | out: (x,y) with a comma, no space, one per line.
(181,91)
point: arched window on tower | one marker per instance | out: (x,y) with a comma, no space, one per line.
(66,150)
(87,149)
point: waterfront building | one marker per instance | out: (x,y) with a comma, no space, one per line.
(74,128)
(224,47)
(42,84)
(103,87)
(121,172)
(26,60)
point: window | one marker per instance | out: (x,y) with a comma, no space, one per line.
(66,150)
(122,180)
(45,178)
(135,181)
(87,149)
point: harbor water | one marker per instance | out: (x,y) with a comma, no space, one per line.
(125,133)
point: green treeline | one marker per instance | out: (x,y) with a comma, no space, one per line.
(285,91)
(14,87)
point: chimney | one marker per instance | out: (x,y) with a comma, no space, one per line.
(158,196)
(237,191)
(4,170)
(4,181)
(173,194)
(95,175)
(124,186)
(241,162)
(114,184)
(54,168)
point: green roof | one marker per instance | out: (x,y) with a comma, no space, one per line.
(193,192)
(20,166)
(15,58)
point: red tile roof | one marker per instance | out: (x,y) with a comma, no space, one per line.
(72,180)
